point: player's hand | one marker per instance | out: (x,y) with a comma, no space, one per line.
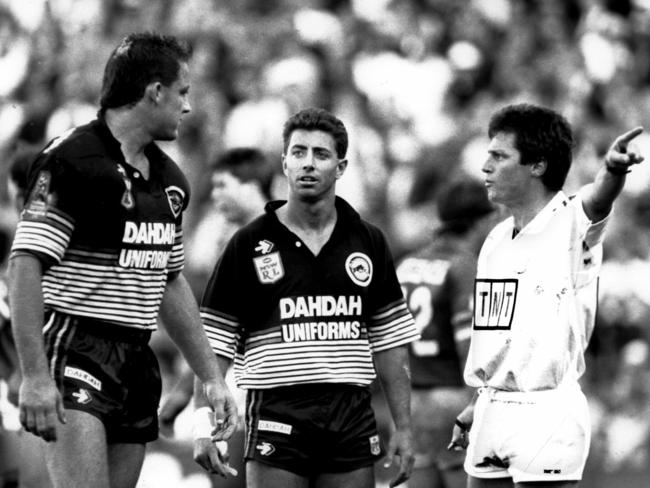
(401,446)
(224,407)
(459,439)
(622,154)
(40,404)
(213,457)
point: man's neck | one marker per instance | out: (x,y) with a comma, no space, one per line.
(130,132)
(313,222)
(524,212)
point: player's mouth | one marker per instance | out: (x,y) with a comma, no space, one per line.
(309,180)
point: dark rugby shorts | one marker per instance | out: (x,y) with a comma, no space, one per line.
(311,429)
(108,371)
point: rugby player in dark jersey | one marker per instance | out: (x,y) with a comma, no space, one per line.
(438,284)
(306,304)
(97,257)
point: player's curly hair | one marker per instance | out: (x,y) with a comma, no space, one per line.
(541,134)
(317,119)
(140,59)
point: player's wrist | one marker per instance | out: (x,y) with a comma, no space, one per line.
(618,170)
(464,426)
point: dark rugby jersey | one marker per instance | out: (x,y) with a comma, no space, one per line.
(289,317)
(438,283)
(107,237)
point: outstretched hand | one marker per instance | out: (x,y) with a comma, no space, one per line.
(622,154)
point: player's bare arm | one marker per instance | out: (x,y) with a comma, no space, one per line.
(393,372)
(622,155)
(180,317)
(210,452)
(40,403)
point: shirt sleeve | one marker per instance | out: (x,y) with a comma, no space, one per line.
(219,306)
(48,218)
(390,323)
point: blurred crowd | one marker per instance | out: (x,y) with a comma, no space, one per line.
(415,82)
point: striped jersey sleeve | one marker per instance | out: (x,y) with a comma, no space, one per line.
(392,326)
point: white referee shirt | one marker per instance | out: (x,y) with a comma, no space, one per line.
(535,299)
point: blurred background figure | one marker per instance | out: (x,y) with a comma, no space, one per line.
(438,284)
(239,185)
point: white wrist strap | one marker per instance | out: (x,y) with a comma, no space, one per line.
(203,423)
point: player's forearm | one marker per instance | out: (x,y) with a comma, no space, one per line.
(26,305)
(180,316)
(602,193)
(394,374)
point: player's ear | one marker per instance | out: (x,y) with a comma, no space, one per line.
(284,164)
(538,168)
(152,92)
(340,167)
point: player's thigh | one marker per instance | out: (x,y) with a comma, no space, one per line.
(124,464)
(359,478)
(260,475)
(79,453)
(33,472)
(473,482)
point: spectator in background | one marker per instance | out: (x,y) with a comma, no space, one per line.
(438,285)
(240,185)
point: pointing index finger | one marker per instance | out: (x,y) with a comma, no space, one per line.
(623,140)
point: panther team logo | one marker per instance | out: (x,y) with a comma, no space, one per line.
(175,197)
(359,268)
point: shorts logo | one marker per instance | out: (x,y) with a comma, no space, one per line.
(82,396)
(40,198)
(265,448)
(270,426)
(175,197)
(359,268)
(269,268)
(494,304)
(375,449)
(81,375)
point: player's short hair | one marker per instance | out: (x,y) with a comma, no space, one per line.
(539,134)
(141,59)
(312,119)
(246,164)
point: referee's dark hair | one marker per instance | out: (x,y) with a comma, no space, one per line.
(317,119)
(140,59)
(541,134)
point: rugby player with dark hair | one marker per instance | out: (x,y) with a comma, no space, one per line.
(305,302)
(97,258)
(535,300)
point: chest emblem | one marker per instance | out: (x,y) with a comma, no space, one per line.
(269,268)
(175,197)
(359,268)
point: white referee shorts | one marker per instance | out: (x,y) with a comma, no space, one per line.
(529,436)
